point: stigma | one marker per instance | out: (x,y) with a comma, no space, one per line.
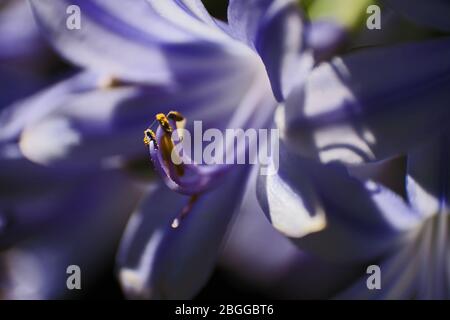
(161,145)
(163,142)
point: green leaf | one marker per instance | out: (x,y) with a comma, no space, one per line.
(350,13)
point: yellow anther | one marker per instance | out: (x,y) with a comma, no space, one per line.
(149,135)
(175,115)
(164,123)
(166,144)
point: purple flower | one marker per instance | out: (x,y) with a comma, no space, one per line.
(160,56)
(173,56)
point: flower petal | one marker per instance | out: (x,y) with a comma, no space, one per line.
(92,126)
(370,105)
(14,118)
(82,233)
(17,84)
(159,262)
(260,258)
(428,180)
(417,270)
(28,206)
(152,50)
(20,36)
(399,274)
(275,29)
(329,213)
(325,38)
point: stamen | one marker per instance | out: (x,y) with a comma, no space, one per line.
(162,119)
(150,136)
(166,142)
(178,120)
(166,151)
(184,212)
(180,175)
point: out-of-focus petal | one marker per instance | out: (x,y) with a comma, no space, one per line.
(14,118)
(84,234)
(324,38)
(431,13)
(158,262)
(399,277)
(151,49)
(34,199)
(17,84)
(87,129)
(24,178)
(417,270)
(275,29)
(104,125)
(370,105)
(20,39)
(329,213)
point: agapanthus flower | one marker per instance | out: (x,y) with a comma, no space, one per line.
(161,56)
(198,66)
